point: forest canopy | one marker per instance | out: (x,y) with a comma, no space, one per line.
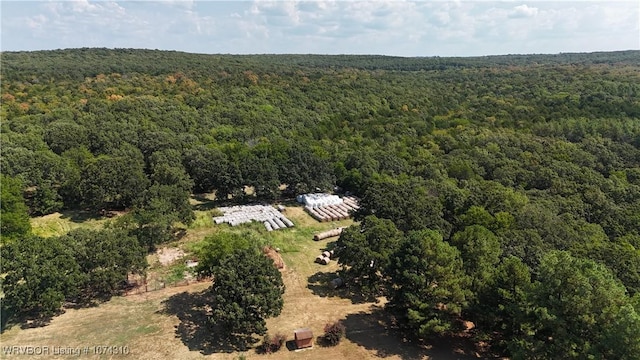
(497,177)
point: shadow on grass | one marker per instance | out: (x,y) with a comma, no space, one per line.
(376,332)
(80,216)
(196,331)
(25,321)
(35,320)
(204,203)
(319,284)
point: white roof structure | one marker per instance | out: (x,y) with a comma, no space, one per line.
(318,200)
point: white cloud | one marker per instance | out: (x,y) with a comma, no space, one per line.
(523,11)
(181,4)
(394,27)
(83,6)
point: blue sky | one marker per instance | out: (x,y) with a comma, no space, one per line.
(395,27)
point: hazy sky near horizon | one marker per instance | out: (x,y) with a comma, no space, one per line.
(393,27)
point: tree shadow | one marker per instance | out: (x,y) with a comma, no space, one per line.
(376,332)
(81,216)
(34,319)
(195,329)
(330,245)
(204,202)
(25,321)
(319,284)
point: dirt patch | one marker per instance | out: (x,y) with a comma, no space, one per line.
(274,255)
(369,331)
(166,256)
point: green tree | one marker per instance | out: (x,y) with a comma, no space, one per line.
(217,247)
(39,274)
(480,251)
(576,302)
(364,253)
(42,173)
(408,202)
(503,306)
(622,338)
(14,215)
(112,182)
(303,171)
(429,288)
(477,215)
(262,174)
(64,135)
(106,258)
(622,258)
(157,211)
(247,289)
(78,159)
(207,167)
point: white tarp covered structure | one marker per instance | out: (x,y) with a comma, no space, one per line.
(319,200)
(271,218)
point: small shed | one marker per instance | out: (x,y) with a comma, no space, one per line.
(304,338)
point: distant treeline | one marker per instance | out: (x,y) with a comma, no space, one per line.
(88,62)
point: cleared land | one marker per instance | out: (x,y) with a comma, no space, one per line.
(57,224)
(170,323)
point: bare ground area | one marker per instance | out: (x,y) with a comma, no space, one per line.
(172,323)
(167,255)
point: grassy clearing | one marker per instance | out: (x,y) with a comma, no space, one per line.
(204,219)
(58,224)
(169,323)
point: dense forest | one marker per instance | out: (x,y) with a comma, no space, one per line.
(504,190)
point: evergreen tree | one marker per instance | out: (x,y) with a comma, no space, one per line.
(429,288)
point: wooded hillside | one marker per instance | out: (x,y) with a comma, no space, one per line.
(519,175)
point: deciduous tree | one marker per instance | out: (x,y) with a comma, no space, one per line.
(576,302)
(39,274)
(365,251)
(14,216)
(247,289)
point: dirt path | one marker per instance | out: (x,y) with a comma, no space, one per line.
(313,304)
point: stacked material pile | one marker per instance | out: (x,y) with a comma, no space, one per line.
(327,234)
(329,207)
(268,215)
(324,258)
(275,256)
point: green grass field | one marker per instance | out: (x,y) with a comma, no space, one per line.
(60,223)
